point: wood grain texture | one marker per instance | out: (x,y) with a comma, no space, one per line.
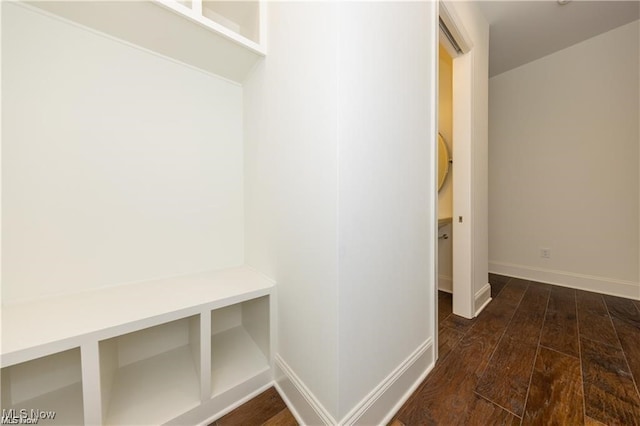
(445,305)
(588,421)
(483,412)
(497,283)
(457,323)
(446,318)
(609,391)
(497,315)
(626,321)
(526,323)
(283,418)
(629,335)
(594,321)
(254,412)
(624,309)
(555,395)
(506,379)
(446,394)
(448,338)
(560,329)
(513,291)
(494,319)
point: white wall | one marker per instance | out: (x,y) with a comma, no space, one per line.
(291,180)
(340,197)
(118,165)
(387,189)
(564,166)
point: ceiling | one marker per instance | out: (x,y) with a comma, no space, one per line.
(523,31)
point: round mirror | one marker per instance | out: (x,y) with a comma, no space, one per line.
(443,161)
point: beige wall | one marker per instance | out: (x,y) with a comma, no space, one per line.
(564,166)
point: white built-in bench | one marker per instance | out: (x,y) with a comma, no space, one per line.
(182,350)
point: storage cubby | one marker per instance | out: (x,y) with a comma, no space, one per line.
(50,383)
(152,375)
(176,350)
(241,17)
(240,343)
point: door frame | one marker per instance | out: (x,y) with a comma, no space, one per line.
(463,113)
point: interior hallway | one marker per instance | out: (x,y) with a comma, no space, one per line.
(538,354)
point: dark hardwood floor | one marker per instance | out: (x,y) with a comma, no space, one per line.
(537,355)
(267,409)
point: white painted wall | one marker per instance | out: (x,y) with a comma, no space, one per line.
(470,166)
(118,165)
(564,165)
(445,194)
(387,189)
(291,178)
(340,196)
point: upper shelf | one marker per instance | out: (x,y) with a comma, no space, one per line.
(222,37)
(45,326)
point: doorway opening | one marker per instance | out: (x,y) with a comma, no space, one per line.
(454,291)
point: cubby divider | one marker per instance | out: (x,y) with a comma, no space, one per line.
(241,17)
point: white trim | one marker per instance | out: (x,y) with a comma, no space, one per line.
(612,286)
(381,404)
(482,298)
(432,215)
(463,235)
(453,24)
(378,407)
(445,284)
(302,403)
(197,17)
(110,37)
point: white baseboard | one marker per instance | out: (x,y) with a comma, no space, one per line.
(381,404)
(614,287)
(445,283)
(303,404)
(482,298)
(378,407)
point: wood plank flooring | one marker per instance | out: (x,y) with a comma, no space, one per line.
(267,409)
(537,355)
